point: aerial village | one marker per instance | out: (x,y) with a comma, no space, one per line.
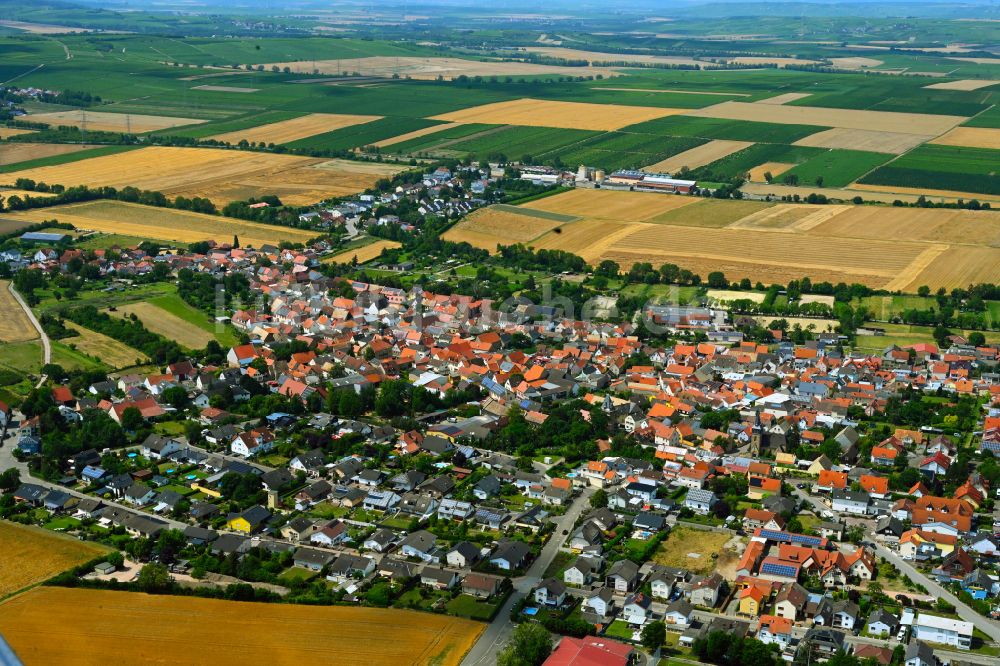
(373,445)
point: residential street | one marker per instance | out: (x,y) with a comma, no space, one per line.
(984,624)
(498,632)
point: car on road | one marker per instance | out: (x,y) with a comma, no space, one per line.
(901,635)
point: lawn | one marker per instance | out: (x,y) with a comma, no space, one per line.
(293,575)
(468,606)
(620,629)
(558,564)
(691,549)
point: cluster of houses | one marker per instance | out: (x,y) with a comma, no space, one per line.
(778,397)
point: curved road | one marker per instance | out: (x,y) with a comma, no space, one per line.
(989,627)
(46,345)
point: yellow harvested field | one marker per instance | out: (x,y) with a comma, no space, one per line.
(973,137)
(711,213)
(32,555)
(856,62)
(487,227)
(699,155)
(774,168)
(957,267)
(110,122)
(883,121)
(611,204)
(780,217)
(429,69)
(162,629)
(964,84)
(217,174)
(167,324)
(12,153)
(14,325)
(590,238)
(895,143)
(783,98)
(727,295)
(294,129)
(167,224)
(103,348)
(362,254)
(768,60)
(42,28)
(7,132)
(415,134)
(599,58)
(8,192)
(943,195)
(933,225)
(884,195)
(567,115)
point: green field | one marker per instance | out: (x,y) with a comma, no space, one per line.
(66,159)
(837,167)
(739,163)
(176,306)
(514,142)
(620,150)
(432,141)
(364,134)
(942,168)
(718,128)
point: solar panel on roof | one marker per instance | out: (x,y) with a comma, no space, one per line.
(776,569)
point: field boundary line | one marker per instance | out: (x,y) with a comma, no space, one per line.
(913,270)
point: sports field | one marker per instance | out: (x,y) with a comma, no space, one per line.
(567,115)
(294,129)
(109,122)
(219,175)
(14,325)
(103,348)
(32,555)
(168,224)
(170,630)
(168,325)
(882,121)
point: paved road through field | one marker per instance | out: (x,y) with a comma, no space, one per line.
(46,346)
(498,632)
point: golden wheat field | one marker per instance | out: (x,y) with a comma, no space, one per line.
(32,555)
(964,84)
(12,153)
(610,204)
(159,629)
(973,137)
(869,192)
(415,134)
(294,129)
(14,325)
(7,132)
(488,227)
(774,168)
(567,115)
(429,69)
(167,224)
(894,143)
(167,324)
(882,247)
(217,174)
(883,121)
(699,155)
(783,98)
(363,253)
(102,121)
(105,349)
